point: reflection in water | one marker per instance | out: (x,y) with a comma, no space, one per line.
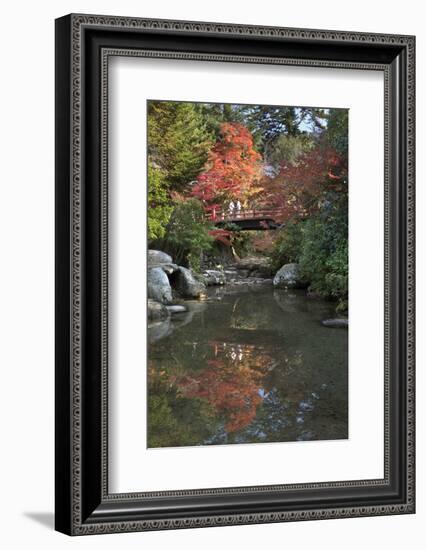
(247,367)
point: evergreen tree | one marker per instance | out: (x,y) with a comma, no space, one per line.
(159,204)
(337,130)
(178,141)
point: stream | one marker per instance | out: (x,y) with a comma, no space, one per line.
(248,365)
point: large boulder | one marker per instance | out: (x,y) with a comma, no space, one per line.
(156,257)
(186,284)
(169,268)
(159,288)
(289,277)
(157,311)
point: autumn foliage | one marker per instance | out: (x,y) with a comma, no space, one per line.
(233,169)
(300,187)
(271,183)
(234,172)
(230,384)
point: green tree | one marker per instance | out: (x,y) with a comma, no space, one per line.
(187,235)
(178,141)
(324,254)
(159,207)
(287,245)
(287,149)
(215,114)
(267,123)
(270,122)
(337,130)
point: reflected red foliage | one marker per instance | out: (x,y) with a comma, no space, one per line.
(230,383)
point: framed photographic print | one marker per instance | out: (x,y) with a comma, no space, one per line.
(234,274)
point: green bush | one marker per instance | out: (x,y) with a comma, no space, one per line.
(159,206)
(324,255)
(287,246)
(241,241)
(320,246)
(336,279)
(187,235)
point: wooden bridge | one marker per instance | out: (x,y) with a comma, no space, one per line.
(261,219)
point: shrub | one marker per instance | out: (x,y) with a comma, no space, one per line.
(241,241)
(324,255)
(287,246)
(320,246)
(159,205)
(187,235)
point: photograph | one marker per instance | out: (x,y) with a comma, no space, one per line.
(247,273)
(229,198)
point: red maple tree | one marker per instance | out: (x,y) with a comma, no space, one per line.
(300,187)
(233,169)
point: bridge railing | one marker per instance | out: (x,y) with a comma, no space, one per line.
(246,214)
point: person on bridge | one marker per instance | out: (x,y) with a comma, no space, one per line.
(231,208)
(238,207)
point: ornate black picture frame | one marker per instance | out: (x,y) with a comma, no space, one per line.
(83,45)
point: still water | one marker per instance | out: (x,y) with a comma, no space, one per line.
(249,365)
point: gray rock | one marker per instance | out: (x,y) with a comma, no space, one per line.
(156,257)
(159,288)
(213,277)
(335,323)
(176,309)
(288,277)
(169,268)
(186,284)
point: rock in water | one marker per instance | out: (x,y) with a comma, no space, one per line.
(214,277)
(186,284)
(289,277)
(156,257)
(159,288)
(335,323)
(157,311)
(176,309)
